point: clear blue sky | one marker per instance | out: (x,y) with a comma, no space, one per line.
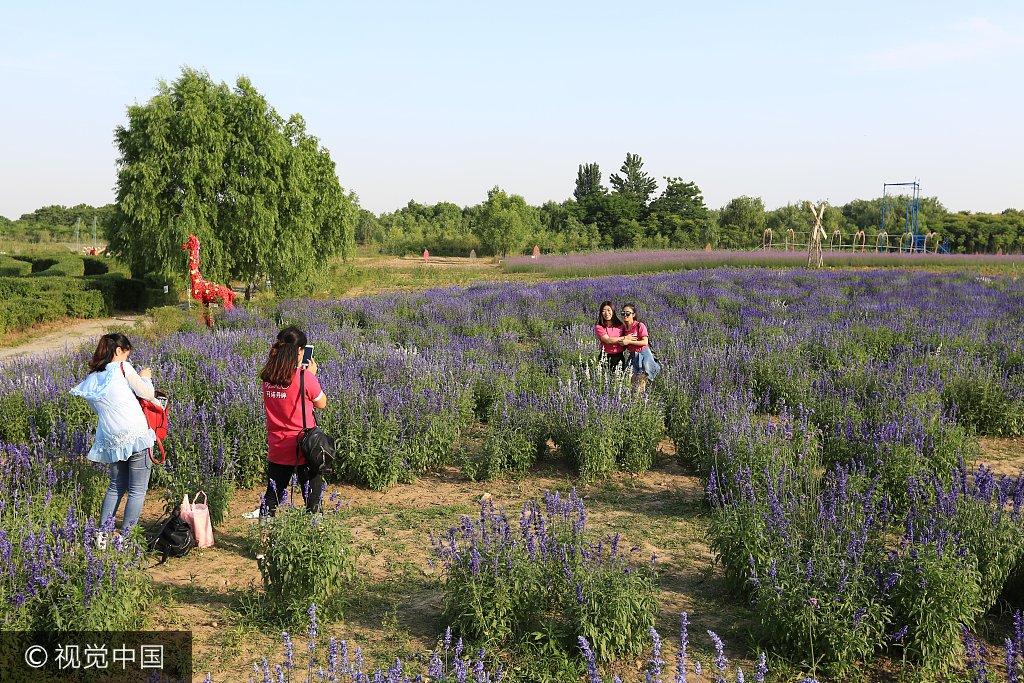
(443,100)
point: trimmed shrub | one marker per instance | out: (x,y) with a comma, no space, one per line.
(95,266)
(121,293)
(12,267)
(88,304)
(62,266)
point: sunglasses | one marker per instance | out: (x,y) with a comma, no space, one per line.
(627,314)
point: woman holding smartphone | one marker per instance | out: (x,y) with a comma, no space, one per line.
(123,440)
(285,372)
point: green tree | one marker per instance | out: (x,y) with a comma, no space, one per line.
(794,217)
(588,182)
(505,222)
(260,193)
(741,223)
(680,216)
(617,215)
(635,183)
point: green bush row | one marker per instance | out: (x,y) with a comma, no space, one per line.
(12,267)
(29,301)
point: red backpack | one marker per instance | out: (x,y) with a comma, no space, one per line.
(155,413)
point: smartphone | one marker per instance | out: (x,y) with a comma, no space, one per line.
(307,355)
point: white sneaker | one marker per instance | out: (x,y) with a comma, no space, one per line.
(254,514)
(101,539)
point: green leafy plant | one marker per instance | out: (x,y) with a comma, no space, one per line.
(305,558)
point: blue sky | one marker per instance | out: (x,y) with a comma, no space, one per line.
(443,100)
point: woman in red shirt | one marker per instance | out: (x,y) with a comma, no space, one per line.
(281,400)
(609,332)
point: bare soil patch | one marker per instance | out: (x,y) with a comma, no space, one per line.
(1004,456)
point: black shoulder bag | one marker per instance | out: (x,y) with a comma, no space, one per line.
(314,443)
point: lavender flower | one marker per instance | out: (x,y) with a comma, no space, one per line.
(588,656)
(721,663)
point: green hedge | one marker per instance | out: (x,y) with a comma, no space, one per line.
(69,266)
(19,314)
(121,293)
(12,267)
(95,265)
(26,301)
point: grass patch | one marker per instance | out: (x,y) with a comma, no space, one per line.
(371,275)
(639,262)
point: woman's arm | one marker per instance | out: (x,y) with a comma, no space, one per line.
(611,340)
(638,342)
(142,387)
(603,336)
(321,399)
(639,338)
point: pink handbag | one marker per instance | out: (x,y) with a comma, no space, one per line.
(198,516)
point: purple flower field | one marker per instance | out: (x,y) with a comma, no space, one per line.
(833,417)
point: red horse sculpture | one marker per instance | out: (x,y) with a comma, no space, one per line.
(203,290)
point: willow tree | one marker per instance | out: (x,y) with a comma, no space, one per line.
(261,193)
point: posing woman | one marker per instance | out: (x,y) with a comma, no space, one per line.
(610,336)
(641,359)
(123,440)
(282,378)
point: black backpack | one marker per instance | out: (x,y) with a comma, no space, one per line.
(175,538)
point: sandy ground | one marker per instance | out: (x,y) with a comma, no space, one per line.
(69,335)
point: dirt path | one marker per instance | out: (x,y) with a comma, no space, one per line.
(69,335)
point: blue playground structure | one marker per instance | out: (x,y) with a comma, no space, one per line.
(904,200)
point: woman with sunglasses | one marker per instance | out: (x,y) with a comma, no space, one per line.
(645,368)
(609,332)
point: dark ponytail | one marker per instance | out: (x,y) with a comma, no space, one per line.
(283,358)
(105,350)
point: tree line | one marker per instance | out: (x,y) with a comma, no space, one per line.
(56,223)
(625,216)
(630,213)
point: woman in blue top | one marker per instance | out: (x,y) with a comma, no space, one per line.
(123,438)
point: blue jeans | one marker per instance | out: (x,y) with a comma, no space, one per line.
(643,361)
(129,476)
